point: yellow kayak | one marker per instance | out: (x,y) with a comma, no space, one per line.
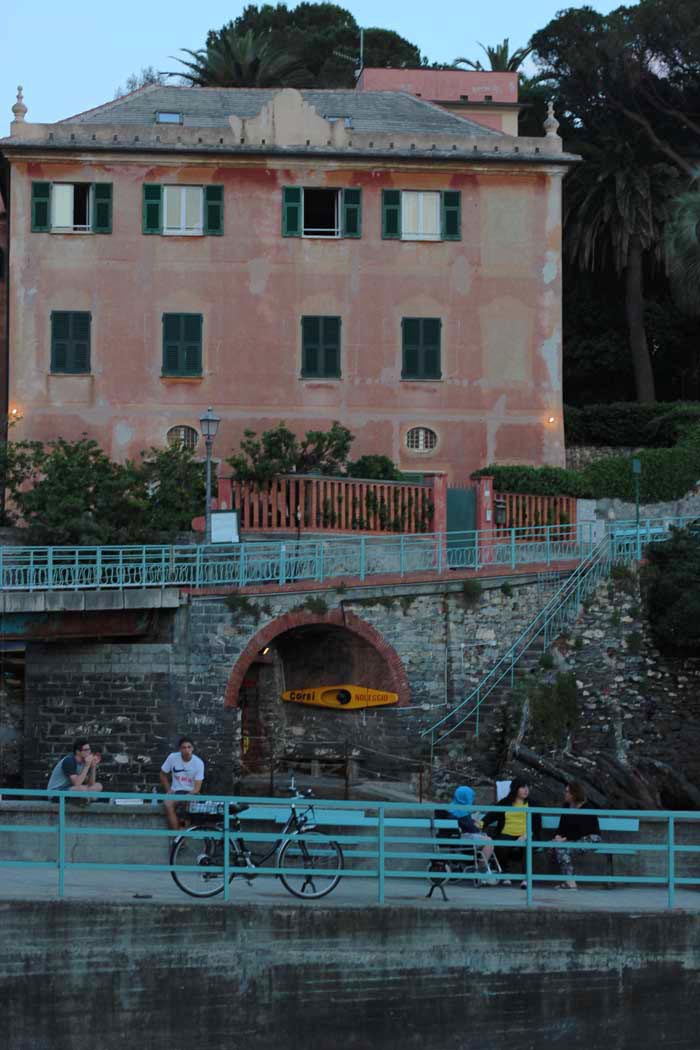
(340,697)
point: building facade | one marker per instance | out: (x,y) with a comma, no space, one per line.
(311,256)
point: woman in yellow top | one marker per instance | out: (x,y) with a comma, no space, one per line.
(512,826)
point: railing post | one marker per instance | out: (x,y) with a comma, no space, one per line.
(319,562)
(671,861)
(402,555)
(61,843)
(363,556)
(98,568)
(380,856)
(282,576)
(476,551)
(227,862)
(512,548)
(241,566)
(548,532)
(528,855)
(49,568)
(198,567)
(439,552)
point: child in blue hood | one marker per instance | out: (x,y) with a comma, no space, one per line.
(471,831)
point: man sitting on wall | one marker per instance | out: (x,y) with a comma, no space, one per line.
(77,771)
(182,773)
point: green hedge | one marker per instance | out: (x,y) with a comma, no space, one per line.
(630,424)
(667,474)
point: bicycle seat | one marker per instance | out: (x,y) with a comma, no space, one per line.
(238,807)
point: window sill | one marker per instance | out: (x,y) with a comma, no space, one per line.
(68,231)
(320,379)
(182,233)
(53,372)
(421,379)
(175,377)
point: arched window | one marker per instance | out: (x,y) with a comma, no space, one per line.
(185,436)
(421,439)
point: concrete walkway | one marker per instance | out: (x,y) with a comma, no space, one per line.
(142,886)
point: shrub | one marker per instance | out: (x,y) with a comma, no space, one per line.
(471,592)
(374,468)
(634,641)
(554,709)
(538,481)
(672,591)
(629,423)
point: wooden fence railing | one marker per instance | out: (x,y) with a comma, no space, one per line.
(525,511)
(326,504)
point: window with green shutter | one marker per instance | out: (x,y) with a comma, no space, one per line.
(451,215)
(320,347)
(352,213)
(391,214)
(102,208)
(70,341)
(152,209)
(421,347)
(41,205)
(291,211)
(182,344)
(214,210)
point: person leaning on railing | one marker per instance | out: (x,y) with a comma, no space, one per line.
(512,826)
(576,826)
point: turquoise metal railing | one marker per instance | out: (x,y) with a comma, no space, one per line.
(252,563)
(623,542)
(379,843)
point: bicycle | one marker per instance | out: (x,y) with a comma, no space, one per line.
(198,862)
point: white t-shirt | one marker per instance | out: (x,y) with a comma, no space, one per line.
(183,773)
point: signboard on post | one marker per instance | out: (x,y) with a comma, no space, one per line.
(224,526)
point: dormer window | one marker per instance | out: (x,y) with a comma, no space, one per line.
(167,116)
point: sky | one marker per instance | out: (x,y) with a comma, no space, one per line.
(73,55)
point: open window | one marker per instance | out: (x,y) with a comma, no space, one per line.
(71,207)
(321,213)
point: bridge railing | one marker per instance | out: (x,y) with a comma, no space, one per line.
(314,560)
(380,841)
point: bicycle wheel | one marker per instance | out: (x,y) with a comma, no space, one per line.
(317,866)
(200,854)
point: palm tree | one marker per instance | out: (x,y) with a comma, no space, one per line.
(500,58)
(683,252)
(233,59)
(616,206)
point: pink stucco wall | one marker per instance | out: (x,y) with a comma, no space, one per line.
(443,84)
(497,291)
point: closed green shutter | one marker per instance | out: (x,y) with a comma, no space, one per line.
(102,210)
(421,347)
(70,341)
(452,215)
(182,344)
(352,213)
(391,214)
(291,211)
(41,204)
(214,210)
(320,347)
(152,209)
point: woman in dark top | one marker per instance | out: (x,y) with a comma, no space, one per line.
(512,827)
(576,826)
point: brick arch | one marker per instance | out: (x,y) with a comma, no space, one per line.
(335,618)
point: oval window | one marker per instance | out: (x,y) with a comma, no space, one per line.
(185,436)
(421,439)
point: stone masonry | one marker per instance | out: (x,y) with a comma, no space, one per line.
(135,699)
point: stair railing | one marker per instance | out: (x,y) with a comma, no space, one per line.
(547,623)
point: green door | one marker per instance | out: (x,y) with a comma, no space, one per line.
(461,518)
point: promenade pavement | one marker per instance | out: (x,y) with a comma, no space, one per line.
(135,887)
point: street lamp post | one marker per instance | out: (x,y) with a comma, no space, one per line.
(209,424)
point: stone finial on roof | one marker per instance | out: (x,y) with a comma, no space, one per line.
(551,124)
(19,109)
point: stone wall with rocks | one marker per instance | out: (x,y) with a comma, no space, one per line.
(579,456)
(135,699)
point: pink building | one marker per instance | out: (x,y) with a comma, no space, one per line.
(364,256)
(488,98)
